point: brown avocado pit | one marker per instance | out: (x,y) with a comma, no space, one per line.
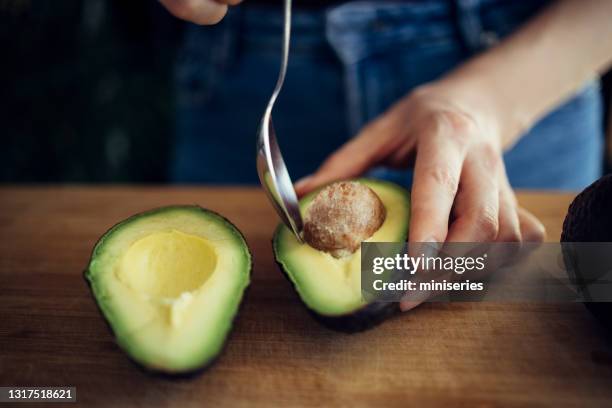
(341,216)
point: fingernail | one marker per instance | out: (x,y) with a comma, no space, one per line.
(431,247)
(414,299)
(303,182)
(408,305)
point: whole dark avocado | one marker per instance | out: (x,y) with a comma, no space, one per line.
(589,219)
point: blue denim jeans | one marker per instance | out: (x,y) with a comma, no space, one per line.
(347,65)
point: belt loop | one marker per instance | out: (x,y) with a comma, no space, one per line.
(469,24)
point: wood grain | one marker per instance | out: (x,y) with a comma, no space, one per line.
(437,355)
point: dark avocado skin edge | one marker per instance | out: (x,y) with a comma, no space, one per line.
(361,319)
(157,371)
(593,201)
(364,318)
(574,230)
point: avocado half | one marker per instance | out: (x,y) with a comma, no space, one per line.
(169,283)
(589,219)
(331,288)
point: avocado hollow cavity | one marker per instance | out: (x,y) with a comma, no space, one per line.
(341,216)
(167,265)
(169,283)
(168,268)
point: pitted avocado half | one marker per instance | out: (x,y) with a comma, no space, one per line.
(169,283)
(330,287)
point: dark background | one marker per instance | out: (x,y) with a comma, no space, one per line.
(87,92)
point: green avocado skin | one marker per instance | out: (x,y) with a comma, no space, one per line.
(589,219)
(156,371)
(172,375)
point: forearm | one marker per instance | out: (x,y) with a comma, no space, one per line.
(539,66)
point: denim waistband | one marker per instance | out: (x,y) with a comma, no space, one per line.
(367,25)
(352,33)
(358,29)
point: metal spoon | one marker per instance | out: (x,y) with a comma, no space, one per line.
(271,167)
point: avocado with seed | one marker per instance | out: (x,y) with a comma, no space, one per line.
(326,269)
(589,219)
(169,283)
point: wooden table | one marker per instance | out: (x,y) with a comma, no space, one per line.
(439,354)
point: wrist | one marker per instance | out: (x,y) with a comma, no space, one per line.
(495,108)
(473,99)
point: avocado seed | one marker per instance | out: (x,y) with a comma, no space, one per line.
(341,216)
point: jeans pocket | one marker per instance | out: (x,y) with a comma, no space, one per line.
(388,48)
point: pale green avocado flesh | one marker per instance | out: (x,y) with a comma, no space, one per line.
(169,283)
(330,286)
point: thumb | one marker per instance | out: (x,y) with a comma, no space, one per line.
(370,147)
(336,167)
(343,164)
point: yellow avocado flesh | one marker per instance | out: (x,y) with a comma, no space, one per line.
(169,283)
(165,265)
(331,286)
(169,268)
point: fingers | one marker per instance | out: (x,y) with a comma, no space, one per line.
(414,301)
(509,224)
(349,161)
(508,241)
(532,229)
(371,146)
(477,204)
(198,11)
(229,2)
(436,180)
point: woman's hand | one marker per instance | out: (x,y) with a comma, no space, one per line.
(460,191)
(199,11)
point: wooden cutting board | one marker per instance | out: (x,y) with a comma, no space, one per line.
(467,354)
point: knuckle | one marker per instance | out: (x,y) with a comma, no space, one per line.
(510,235)
(510,196)
(447,179)
(490,156)
(459,126)
(487,223)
